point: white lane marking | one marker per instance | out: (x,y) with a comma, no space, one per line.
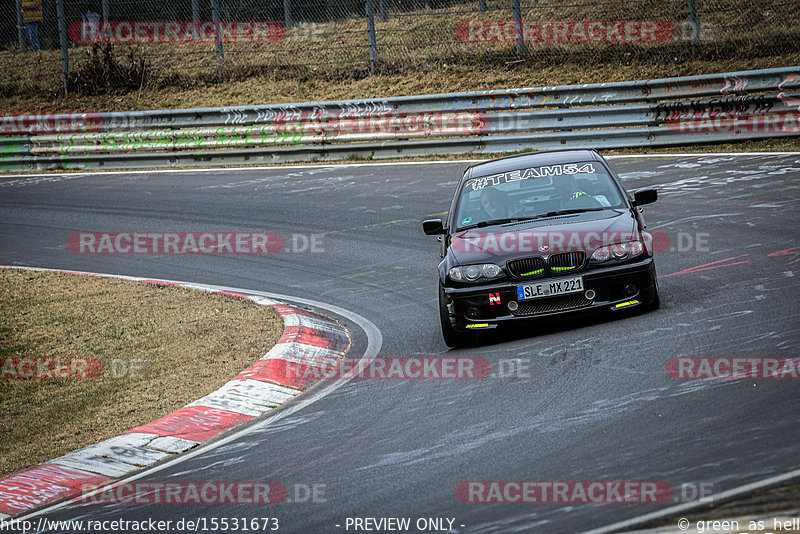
(171,444)
(84,172)
(680,508)
(694,218)
(247,397)
(703,154)
(345,165)
(374,343)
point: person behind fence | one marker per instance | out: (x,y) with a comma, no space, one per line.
(32,17)
(90,29)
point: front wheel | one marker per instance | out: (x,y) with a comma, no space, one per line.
(656,302)
(452,337)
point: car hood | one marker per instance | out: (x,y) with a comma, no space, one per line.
(567,233)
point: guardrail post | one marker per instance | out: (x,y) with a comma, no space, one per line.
(693,24)
(217,36)
(287,13)
(23,44)
(195,11)
(482,5)
(104,7)
(515,7)
(373,42)
(62,39)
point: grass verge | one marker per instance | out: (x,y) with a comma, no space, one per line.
(161,348)
(277,89)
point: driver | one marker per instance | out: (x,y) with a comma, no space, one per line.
(498,205)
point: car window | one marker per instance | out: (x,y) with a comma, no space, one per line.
(534,191)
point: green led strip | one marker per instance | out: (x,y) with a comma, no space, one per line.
(537,271)
(557,269)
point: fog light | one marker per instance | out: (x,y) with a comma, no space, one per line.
(631,290)
(512,305)
(473,313)
(589,294)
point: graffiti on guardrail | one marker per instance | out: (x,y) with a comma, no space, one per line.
(716,107)
(320,112)
(725,85)
(502,101)
(671,111)
(310,131)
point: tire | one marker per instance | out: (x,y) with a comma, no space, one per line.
(452,337)
(656,302)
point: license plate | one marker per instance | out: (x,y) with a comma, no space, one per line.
(550,288)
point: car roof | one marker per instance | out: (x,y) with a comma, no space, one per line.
(532,159)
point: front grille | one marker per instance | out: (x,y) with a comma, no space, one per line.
(537,266)
(568,261)
(552,304)
(527,267)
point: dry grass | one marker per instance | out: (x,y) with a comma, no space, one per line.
(419,55)
(418,52)
(161,347)
(274,89)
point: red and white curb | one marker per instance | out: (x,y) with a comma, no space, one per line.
(310,343)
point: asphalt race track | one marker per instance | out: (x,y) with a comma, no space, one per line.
(588,400)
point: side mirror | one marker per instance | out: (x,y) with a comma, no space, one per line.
(433,227)
(645,196)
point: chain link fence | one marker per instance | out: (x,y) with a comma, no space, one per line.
(130,42)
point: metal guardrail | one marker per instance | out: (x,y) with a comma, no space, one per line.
(673,111)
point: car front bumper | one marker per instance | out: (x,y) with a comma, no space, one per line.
(487,306)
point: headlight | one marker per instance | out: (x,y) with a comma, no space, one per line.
(473,273)
(490,270)
(618,252)
(600,255)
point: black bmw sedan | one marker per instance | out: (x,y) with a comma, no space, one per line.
(541,234)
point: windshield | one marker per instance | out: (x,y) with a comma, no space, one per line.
(535,192)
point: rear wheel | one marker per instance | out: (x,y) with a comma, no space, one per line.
(452,337)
